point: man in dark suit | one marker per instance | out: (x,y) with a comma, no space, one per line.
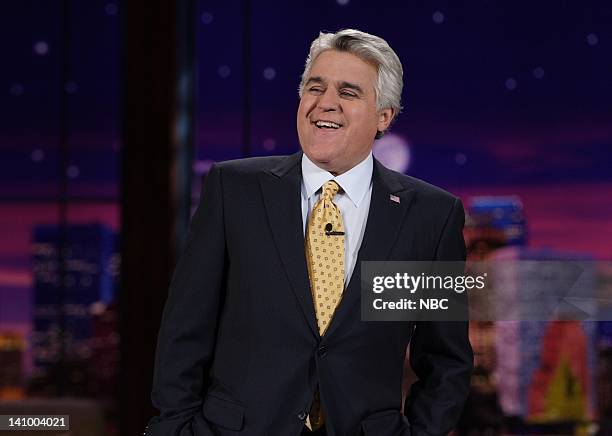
(262,330)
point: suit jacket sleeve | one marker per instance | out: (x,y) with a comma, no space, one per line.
(440,353)
(189,324)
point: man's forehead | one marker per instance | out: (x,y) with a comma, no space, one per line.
(340,68)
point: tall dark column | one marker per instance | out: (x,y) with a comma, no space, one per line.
(157,126)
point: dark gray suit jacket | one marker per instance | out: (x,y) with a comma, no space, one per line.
(239,352)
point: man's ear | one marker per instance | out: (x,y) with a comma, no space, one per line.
(385,116)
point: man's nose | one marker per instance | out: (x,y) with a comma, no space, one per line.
(328,100)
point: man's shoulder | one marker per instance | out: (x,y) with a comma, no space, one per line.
(423,189)
(255,165)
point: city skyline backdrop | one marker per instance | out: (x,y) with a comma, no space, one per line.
(499,99)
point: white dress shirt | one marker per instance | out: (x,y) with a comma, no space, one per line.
(353,202)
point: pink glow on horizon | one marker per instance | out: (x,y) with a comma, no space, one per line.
(15,278)
(573,218)
(569,217)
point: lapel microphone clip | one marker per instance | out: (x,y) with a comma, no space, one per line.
(328,231)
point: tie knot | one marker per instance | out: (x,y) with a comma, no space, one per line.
(330,189)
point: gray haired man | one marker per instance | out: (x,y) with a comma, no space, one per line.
(262,331)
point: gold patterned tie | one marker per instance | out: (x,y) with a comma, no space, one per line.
(325,259)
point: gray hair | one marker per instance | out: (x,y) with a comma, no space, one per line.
(371,49)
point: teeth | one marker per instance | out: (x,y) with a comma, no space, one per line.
(327,124)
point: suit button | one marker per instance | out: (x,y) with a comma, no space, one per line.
(302,415)
(322,351)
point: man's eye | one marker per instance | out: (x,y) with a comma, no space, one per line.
(347,94)
(315,90)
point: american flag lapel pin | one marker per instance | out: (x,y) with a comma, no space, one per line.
(394,198)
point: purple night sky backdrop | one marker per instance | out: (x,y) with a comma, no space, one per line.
(509,98)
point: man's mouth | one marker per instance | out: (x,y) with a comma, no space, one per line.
(327,124)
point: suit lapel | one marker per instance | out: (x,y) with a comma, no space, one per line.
(384,221)
(281,188)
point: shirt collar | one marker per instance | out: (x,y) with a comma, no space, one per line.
(355,182)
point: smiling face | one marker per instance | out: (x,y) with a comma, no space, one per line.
(337,119)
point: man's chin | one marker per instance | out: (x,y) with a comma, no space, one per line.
(321,158)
